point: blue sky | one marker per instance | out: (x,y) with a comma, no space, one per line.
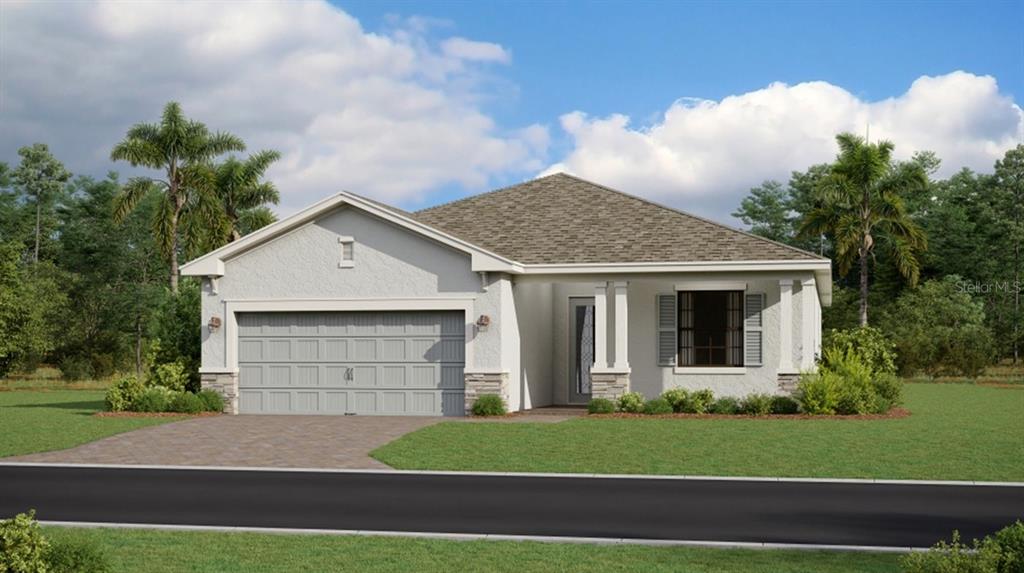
(690,104)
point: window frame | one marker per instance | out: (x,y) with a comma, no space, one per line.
(346,243)
(687,302)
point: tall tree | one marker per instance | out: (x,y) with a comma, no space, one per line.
(244,193)
(861,205)
(41,178)
(183,149)
(767,211)
(1009,176)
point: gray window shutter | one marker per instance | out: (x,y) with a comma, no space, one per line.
(667,346)
(753,329)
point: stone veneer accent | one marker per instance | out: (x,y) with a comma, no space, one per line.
(788,382)
(608,385)
(480,383)
(225,384)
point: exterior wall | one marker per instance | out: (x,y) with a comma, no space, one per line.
(533,303)
(389,262)
(648,377)
(225,384)
(478,384)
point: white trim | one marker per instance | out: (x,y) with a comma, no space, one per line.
(218,371)
(212,263)
(489,537)
(730,370)
(609,370)
(621,326)
(572,268)
(233,307)
(485,371)
(808,328)
(600,326)
(673,477)
(711,285)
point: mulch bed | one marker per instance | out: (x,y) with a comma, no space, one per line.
(893,414)
(153,414)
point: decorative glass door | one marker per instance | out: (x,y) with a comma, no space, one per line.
(581,348)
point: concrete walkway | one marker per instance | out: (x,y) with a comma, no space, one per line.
(247,441)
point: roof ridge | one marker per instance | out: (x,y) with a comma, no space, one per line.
(491,192)
(691,215)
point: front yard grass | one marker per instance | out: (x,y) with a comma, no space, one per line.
(954,432)
(41,421)
(166,551)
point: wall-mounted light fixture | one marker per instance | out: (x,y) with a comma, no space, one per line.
(214,323)
(483,322)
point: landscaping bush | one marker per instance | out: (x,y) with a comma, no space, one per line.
(756,405)
(676,397)
(76,368)
(657,406)
(175,324)
(489,405)
(153,399)
(868,343)
(170,375)
(784,405)
(631,402)
(124,393)
(601,406)
(76,557)
(22,545)
(212,401)
(698,402)
(856,393)
(186,403)
(818,392)
(726,405)
(1002,552)
(888,389)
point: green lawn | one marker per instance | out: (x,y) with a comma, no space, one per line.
(40,421)
(955,432)
(160,551)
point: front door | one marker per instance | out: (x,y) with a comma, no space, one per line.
(581,348)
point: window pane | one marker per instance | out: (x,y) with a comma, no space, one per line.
(711,328)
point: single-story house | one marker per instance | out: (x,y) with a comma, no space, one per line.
(550,292)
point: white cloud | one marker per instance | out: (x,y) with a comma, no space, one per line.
(704,155)
(392,115)
(475,51)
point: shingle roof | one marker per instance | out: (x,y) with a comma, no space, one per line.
(561,219)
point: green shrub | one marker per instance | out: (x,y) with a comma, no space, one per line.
(676,397)
(176,324)
(170,375)
(631,402)
(784,405)
(153,399)
(818,392)
(856,393)
(121,396)
(888,389)
(956,557)
(1011,547)
(601,406)
(489,405)
(867,343)
(657,406)
(76,368)
(698,402)
(22,545)
(726,405)
(756,404)
(186,403)
(212,401)
(76,557)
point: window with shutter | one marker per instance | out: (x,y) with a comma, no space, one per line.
(753,329)
(667,330)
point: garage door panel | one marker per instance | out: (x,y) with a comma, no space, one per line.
(354,362)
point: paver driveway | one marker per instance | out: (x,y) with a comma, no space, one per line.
(251,441)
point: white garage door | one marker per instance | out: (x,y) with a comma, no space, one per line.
(398,363)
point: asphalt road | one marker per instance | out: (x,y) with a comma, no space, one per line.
(705,510)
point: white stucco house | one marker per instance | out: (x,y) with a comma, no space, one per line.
(550,292)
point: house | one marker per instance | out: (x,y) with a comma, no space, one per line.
(550,292)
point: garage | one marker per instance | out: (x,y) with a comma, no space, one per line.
(384,363)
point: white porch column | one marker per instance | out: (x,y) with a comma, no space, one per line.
(601,327)
(785,325)
(808,326)
(621,327)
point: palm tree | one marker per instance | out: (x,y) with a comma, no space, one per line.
(244,195)
(183,149)
(860,200)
